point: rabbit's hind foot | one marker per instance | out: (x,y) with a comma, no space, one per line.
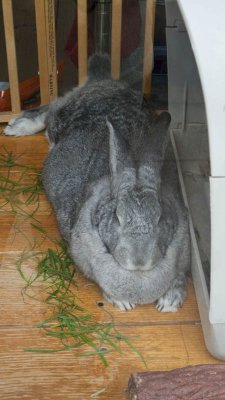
(123,305)
(22,127)
(173,299)
(29,122)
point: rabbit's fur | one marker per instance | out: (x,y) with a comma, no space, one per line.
(118,208)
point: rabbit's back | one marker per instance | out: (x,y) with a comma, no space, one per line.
(87,107)
(77,126)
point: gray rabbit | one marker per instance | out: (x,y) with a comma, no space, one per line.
(117,202)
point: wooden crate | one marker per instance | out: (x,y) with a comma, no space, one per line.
(46,45)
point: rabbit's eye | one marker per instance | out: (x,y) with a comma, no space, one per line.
(120,214)
(118,218)
(158,219)
(125,218)
(128,219)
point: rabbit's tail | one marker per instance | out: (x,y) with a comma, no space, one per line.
(99,67)
(28,123)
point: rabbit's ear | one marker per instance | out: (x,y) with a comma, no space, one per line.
(159,137)
(152,152)
(121,166)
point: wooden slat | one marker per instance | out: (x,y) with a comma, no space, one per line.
(45,25)
(148,46)
(116,38)
(42,49)
(82,40)
(11,54)
(51,48)
(6,116)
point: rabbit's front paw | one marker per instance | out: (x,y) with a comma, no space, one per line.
(123,305)
(171,301)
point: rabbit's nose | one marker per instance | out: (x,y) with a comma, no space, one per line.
(140,262)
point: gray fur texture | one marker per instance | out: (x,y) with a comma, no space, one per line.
(117,201)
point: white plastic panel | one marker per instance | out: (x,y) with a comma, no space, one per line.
(185,98)
(204,21)
(217,294)
(196,64)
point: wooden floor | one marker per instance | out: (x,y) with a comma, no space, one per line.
(166,341)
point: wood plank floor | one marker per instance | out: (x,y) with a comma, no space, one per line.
(166,341)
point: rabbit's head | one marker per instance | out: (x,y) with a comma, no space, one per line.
(128,221)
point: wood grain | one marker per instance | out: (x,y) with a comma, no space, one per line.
(116,38)
(82,40)
(67,376)
(42,49)
(45,26)
(51,48)
(19,233)
(27,150)
(11,55)
(148,62)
